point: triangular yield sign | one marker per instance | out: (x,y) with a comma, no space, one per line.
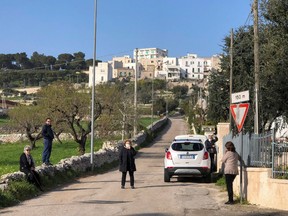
(239,113)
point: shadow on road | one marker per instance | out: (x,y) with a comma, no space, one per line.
(104,202)
(149,214)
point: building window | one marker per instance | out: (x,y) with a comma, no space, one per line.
(198,70)
(193,70)
(102,78)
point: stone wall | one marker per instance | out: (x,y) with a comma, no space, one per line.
(18,137)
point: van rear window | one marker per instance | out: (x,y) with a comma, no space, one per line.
(187,146)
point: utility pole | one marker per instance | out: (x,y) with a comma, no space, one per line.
(231,76)
(152,99)
(256,66)
(167,107)
(135,93)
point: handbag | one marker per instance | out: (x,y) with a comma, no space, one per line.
(212,150)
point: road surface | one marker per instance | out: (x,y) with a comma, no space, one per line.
(102,195)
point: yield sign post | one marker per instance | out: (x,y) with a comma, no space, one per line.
(239,113)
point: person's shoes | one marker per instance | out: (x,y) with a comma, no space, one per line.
(122,187)
(229,203)
(50,164)
(132,187)
(45,164)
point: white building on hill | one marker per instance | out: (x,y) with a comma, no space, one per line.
(155,63)
(150,53)
(103,73)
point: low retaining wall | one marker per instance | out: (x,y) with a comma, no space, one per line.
(260,189)
(108,154)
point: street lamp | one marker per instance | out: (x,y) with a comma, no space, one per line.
(135,93)
(93,88)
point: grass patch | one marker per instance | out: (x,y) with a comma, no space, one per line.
(4,120)
(221,183)
(145,122)
(244,201)
(10,153)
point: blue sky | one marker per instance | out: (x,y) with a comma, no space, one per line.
(67,26)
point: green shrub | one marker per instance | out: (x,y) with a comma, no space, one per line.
(221,182)
(17,191)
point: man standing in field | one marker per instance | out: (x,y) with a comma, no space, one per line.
(48,136)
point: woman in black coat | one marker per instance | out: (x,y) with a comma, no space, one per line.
(127,163)
(27,165)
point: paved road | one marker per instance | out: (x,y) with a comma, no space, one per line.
(101,194)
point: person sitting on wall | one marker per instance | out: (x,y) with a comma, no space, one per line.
(27,165)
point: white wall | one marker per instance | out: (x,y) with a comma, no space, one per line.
(103,73)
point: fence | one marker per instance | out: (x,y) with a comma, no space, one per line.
(280,160)
(261,150)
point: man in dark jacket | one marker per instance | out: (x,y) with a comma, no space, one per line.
(211,148)
(48,136)
(127,163)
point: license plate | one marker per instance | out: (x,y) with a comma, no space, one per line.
(187,156)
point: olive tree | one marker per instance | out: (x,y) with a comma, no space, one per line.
(71,107)
(28,120)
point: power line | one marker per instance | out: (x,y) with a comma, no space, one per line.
(248,19)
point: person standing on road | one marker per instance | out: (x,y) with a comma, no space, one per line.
(27,165)
(127,163)
(230,162)
(211,148)
(48,136)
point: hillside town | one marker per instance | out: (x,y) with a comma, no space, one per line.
(155,63)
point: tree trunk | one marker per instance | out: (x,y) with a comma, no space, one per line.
(82,144)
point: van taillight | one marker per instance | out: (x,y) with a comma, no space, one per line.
(168,155)
(205,156)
